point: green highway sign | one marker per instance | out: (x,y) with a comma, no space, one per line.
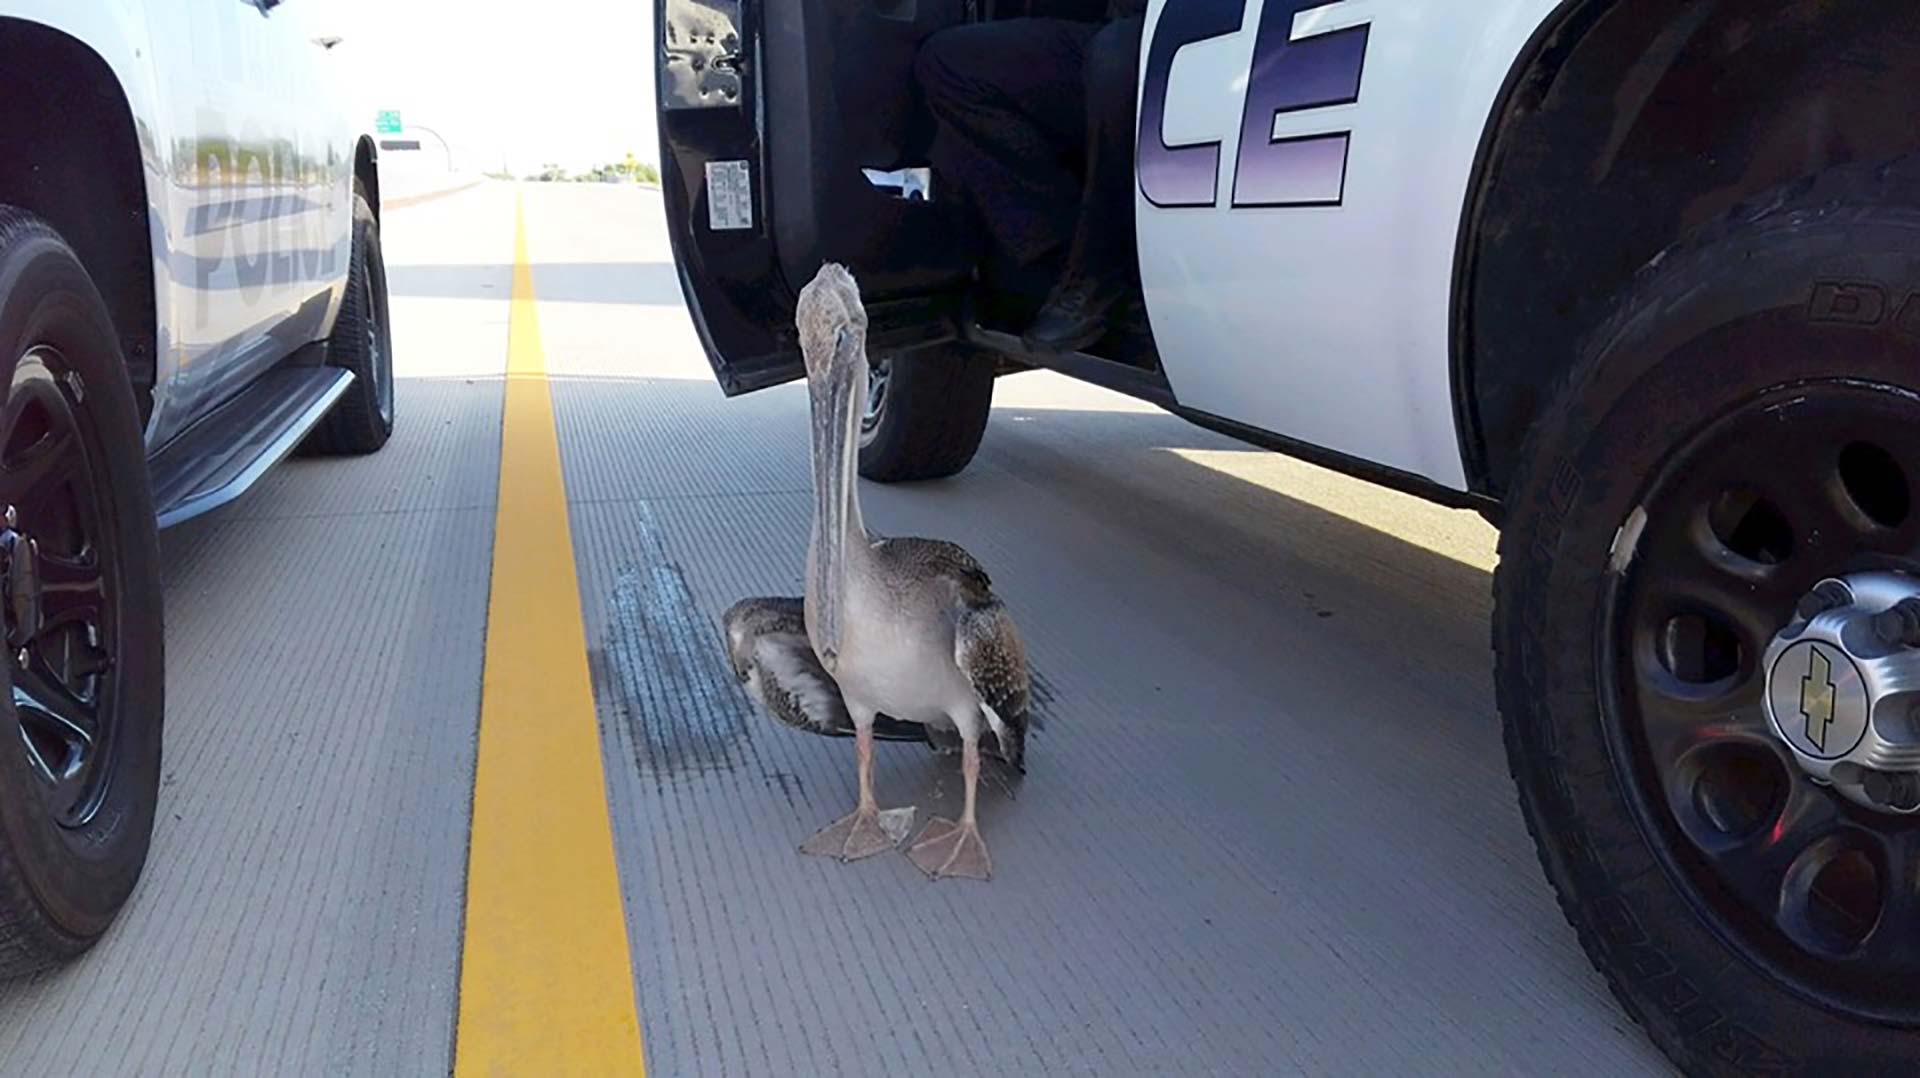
(387,122)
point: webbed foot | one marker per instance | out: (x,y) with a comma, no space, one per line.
(947,849)
(861,833)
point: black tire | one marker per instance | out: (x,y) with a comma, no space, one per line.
(362,342)
(1745,308)
(73,463)
(926,413)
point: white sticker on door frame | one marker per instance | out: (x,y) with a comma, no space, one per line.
(729,196)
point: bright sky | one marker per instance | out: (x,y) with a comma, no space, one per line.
(562,81)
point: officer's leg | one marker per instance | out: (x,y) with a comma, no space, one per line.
(1100,271)
(1010,102)
(1112,79)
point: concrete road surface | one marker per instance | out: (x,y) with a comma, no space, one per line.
(1266,829)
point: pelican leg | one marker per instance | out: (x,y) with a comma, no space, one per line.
(866,830)
(949,849)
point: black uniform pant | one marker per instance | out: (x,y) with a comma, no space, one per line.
(1036,120)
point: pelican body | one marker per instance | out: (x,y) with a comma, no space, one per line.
(898,633)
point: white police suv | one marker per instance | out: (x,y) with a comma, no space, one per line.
(190,287)
(1637,279)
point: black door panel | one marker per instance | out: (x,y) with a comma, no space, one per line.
(769,113)
(843,98)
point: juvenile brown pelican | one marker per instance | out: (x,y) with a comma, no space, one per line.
(897,631)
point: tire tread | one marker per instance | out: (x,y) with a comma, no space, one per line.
(30,938)
(938,403)
(1538,766)
(353,426)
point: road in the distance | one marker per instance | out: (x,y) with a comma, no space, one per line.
(1267,826)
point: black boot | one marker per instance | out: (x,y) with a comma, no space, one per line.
(1078,312)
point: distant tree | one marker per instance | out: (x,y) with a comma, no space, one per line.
(629,170)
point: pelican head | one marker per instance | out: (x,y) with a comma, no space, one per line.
(832,322)
(833,339)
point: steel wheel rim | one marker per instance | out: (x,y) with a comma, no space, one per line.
(1749,512)
(59,611)
(879,376)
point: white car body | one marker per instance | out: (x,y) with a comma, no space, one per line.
(248,161)
(192,285)
(1319,319)
(1330,323)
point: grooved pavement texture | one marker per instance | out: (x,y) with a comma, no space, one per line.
(300,912)
(1267,826)
(1266,829)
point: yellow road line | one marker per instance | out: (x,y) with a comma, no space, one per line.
(545,980)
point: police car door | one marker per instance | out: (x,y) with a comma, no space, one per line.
(1302,169)
(790,134)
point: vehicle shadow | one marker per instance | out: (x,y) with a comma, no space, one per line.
(1154,513)
(1311,606)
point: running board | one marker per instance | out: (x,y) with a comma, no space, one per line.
(214,461)
(1149,386)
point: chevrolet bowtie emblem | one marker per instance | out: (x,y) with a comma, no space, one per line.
(1816,697)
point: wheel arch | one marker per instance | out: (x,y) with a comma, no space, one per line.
(76,158)
(1624,125)
(366,169)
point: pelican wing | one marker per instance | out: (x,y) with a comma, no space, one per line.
(985,645)
(776,662)
(792,686)
(988,651)
(937,557)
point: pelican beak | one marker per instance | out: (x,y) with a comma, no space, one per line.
(833,395)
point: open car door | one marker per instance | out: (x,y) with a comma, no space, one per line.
(792,133)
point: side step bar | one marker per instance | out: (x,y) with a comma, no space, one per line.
(214,461)
(1146,385)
